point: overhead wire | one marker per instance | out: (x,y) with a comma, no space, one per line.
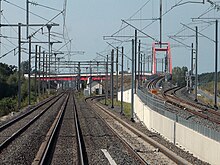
(10,41)
(6,45)
(66,37)
(9,24)
(49,21)
(207,11)
(64,14)
(166,12)
(153,21)
(44,6)
(139,9)
(122,28)
(184,28)
(25,10)
(131,17)
(9,51)
(32,33)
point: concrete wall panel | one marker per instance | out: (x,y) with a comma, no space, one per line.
(202,147)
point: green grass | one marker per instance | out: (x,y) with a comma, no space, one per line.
(10,104)
(209,87)
(207,101)
(127,106)
(79,95)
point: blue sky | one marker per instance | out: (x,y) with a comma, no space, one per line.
(87,21)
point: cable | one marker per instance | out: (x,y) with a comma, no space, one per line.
(162,16)
(8,52)
(122,28)
(139,10)
(47,7)
(207,11)
(9,24)
(25,10)
(10,42)
(46,24)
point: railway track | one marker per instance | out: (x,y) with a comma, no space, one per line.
(138,157)
(69,132)
(63,138)
(27,112)
(12,129)
(60,144)
(102,145)
(46,148)
(139,144)
(155,83)
(20,138)
(194,108)
(86,145)
(171,97)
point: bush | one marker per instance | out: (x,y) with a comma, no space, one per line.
(7,105)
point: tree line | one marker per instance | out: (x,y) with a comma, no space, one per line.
(9,87)
(205,80)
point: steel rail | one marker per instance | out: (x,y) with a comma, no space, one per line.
(179,102)
(25,127)
(47,146)
(78,133)
(173,156)
(130,149)
(197,106)
(10,122)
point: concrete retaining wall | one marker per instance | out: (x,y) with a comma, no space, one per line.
(126,97)
(202,147)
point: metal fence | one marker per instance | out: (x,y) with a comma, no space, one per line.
(161,107)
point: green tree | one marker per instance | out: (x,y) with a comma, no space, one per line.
(12,82)
(24,67)
(205,78)
(3,89)
(178,75)
(9,87)
(5,72)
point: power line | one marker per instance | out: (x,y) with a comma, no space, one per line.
(9,23)
(25,10)
(9,52)
(139,10)
(44,6)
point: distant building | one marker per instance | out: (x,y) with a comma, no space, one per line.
(96,87)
